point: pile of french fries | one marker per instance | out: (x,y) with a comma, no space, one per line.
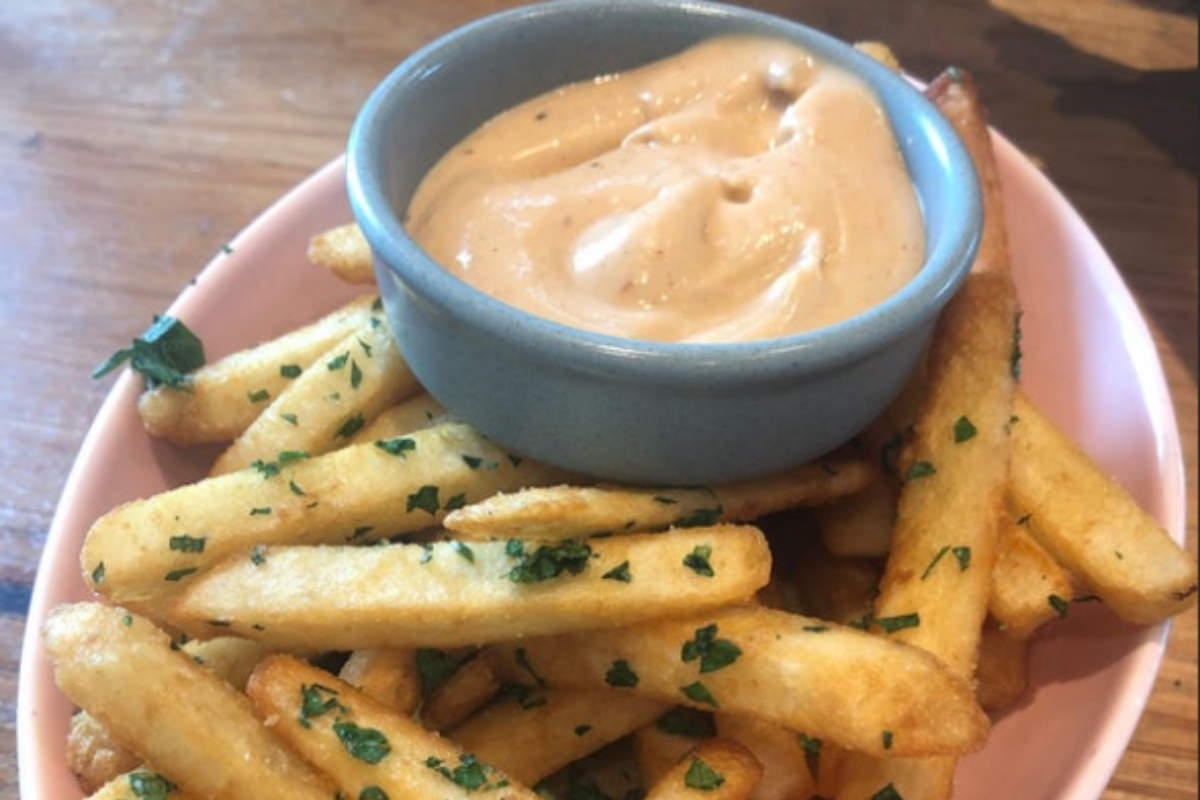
(367,599)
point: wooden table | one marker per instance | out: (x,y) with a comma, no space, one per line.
(137,136)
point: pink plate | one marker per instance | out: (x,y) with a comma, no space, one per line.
(1090,363)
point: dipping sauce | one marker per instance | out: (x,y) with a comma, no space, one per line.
(739,190)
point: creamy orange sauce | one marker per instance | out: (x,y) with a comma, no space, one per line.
(740,190)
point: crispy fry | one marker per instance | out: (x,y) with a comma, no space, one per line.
(344,252)
(123,671)
(471,686)
(93,756)
(228,657)
(447,594)
(361,743)
(349,385)
(717,769)
(1002,674)
(1024,578)
(137,783)
(937,581)
(660,745)
(571,512)
(533,733)
(839,684)
(386,675)
(1094,528)
(149,549)
(786,773)
(860,525)
(416,413)
(219,404)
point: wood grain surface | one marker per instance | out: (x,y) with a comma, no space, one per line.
(137,136)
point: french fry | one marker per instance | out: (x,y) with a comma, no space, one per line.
(322,409)
(1093,527)
(784,755)
(147,550)
(123,670)
(386,675)
(93,756)
(416,413)
(842,685)
(816,583)
(363,744)
(572,512)
(471,686)
(860,525)
(1025,581)
(221,402)
(344,252)
(448,594)
(1002,675)
(660,745)
(718,769)
(935,588)
(229,658)
(532,734)
(138,783)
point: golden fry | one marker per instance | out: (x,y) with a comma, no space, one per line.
(448,594)
(386,675)
(1094,528)
(841,685)
(148,549)
(125,672)
(344,252)
(718,769)
(221,400)
(533,733)
(362,744)
(1024,579)
(322,409)
(471,686)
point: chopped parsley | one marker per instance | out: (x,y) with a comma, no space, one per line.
(886,739)
(187,544)
(698,560)
(424,499)
(619,573)
(315,701)
(351,426)
(964,430)
(356,375)
(260,396)
(177,575)
(700,518)
(811,746)
(98,573)
(620,675)
(898,623)
(698,693)
(701,776)
(338,362)
(470,774)
(1015,358)
(920,469)
(397,447)
(1060,606)
(887,793)
(713,653)
(364,744)
(548,561)
(372,793)
(150,786)
(463,550)
(582,730)
(963,556)
(164,355)
(691,723)
(522,658)
(290,370)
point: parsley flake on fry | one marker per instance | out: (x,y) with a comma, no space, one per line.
(164,355)
(701,776)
